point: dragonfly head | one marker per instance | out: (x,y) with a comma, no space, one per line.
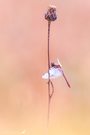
(52,64)
(55,65)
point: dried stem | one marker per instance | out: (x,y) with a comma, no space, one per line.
(50,84)
(50,16)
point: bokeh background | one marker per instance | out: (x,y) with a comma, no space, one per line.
(23,60)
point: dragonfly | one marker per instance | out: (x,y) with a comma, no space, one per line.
(55,71)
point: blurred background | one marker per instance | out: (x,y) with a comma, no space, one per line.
(23,60)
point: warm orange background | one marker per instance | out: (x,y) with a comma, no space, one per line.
(23,59)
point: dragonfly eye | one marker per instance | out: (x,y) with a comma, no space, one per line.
(52,64)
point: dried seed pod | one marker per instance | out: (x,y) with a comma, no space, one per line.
(51,13)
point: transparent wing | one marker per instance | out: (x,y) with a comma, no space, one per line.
(59,62)
(63,74)
(54,73)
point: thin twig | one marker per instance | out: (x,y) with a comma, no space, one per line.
(50,16)
(50,93)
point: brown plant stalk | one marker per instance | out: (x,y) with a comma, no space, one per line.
(50,16)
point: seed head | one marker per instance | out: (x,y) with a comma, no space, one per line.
(51,13)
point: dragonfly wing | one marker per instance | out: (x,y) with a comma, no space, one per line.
(59,62)
(54,73)
(51,71)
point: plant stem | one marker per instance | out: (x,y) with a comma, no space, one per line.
(50,93)
(48,68)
